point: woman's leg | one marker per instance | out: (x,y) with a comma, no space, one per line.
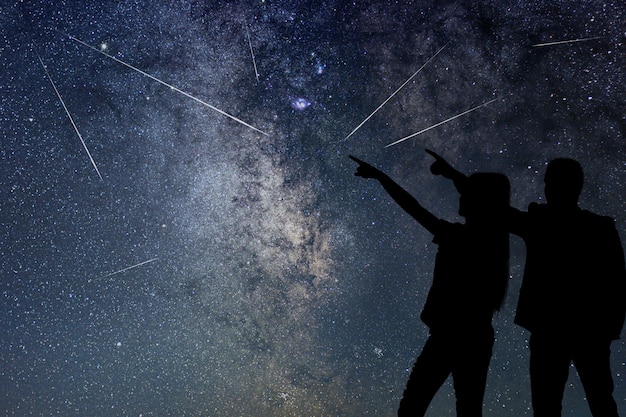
(430,371)
(471,365)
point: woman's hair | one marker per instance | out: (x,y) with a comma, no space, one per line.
(487,192)
(564,180)
(487,197)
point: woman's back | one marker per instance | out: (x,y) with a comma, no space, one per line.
(470,277)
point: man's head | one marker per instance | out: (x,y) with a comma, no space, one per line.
(563,182)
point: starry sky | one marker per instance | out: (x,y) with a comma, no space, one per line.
(193,242)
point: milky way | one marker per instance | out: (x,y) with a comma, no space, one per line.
(218,271)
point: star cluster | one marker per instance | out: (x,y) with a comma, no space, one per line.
(222,270)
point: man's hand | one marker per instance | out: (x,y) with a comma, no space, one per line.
(440,166)
(364,169)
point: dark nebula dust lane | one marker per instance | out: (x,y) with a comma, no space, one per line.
(181,231)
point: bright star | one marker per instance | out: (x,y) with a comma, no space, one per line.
(300,103)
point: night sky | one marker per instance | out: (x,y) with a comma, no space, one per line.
(206,268)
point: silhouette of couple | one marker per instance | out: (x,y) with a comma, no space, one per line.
(572,298)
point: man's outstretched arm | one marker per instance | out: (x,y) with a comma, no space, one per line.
(517,220)
(443,168)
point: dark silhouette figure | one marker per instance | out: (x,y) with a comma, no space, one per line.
(572,298)
(469,284)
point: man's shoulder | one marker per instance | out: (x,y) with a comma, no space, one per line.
(537,209)
(597,219)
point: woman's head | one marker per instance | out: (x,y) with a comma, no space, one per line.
(484,204)
(563,182)
(484,195)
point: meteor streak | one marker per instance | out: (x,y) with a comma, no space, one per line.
(394,93)
(568,41)
(440,123)
(128,268)
(256,73)
(167,85)
(68,113)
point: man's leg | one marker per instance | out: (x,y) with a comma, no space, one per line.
(593,364)
(429,372)
(549,367)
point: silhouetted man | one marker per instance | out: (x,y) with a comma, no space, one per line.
(572,298)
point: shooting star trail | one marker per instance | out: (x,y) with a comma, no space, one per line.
(128,268)
(256,73)
(68,113)
(394,93)
(443,122)
(567,41)
(166,84)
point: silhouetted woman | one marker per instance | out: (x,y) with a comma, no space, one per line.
(469,285)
